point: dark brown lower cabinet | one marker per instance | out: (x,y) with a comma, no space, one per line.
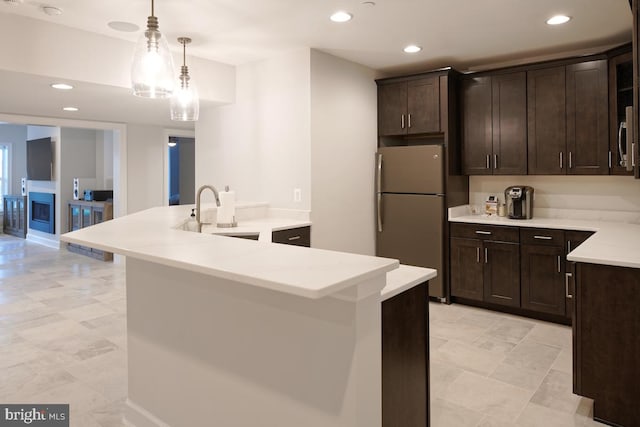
(300,236)
(405,359)
(485,271)
(606,334)
(502,273)
(543,273)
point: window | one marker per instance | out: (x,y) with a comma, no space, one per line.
(5,173)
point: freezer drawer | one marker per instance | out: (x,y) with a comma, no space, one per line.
(412,169)
(412,232)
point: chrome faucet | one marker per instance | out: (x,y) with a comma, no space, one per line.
(200,190)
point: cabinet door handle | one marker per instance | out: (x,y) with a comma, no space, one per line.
(567,277)
(409,119)
(402,121)
(559,264)
(570,160)
(561,162)
(379,213)
(486,256)
(609,159)
(543,237)
(486,233)
(295,238)
(478,254)
(488,162)
(495,161)
(568,246)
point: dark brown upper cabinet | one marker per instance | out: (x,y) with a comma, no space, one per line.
(568,124)
(409,107)
(494,124)
(546,121)
(587,118)
(620,97)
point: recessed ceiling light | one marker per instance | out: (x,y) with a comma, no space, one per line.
(52,10)
(61,86)
(412,48)
(341,16)
(368,3)
(70,109)
(125,27)
(558,19)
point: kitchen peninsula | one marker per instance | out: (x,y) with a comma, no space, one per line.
(232,332)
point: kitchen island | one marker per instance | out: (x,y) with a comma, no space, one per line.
(233,332)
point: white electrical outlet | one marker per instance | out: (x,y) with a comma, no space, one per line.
(297,195)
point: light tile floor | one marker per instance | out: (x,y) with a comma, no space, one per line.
(63,340)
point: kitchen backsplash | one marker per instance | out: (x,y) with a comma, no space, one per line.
(615,195)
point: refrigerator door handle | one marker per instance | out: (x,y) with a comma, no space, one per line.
(379,212)
(379,189)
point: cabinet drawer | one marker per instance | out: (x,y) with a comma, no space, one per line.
(541,236)
(485,232)
(300,236)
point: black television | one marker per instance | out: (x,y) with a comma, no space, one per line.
(40,159)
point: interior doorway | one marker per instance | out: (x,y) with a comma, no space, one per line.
(181,170)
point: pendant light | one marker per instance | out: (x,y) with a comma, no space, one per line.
(152,69)
(185,105)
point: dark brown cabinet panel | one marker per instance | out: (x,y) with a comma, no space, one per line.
(85,214)
(392,108)
(477,142)
(405,359)
(300,236)
(509,124)
(587,118)
(502,273)
(542,269)
(494,124)
(546,121)
(467,269)
(423,105)
(606,345)
(15,215)
(620,97)
(409,107)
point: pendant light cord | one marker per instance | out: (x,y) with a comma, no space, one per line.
(152,8)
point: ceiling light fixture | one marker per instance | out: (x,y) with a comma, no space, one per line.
(125,27)
(412,48)
(70,108)
(172,142)
(558,19)
(52,10)
(341,16)
(185,105)
(152,69)
(61,86)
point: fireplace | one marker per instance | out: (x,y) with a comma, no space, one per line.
(42,216)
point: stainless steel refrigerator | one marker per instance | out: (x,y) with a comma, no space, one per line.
(411,208)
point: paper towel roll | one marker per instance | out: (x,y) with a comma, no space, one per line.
(227,208)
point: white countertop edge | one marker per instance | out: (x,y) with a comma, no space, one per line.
(405,277)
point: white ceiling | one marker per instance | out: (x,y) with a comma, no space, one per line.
(465,34)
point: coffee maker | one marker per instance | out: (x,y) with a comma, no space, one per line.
(519,200)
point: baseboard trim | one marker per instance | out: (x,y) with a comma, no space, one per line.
(53,244)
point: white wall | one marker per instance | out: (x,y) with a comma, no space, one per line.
(16,136)
(104,160)
(343,144)
(78,154)
(260,146)
(606,193)
(146,147)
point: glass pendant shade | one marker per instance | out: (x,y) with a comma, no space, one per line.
(185,104)
(152,74)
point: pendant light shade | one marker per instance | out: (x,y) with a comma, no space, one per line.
(185,104)
(152,71)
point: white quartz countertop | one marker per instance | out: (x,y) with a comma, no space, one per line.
(405,277)
(614,243)
(153,235)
